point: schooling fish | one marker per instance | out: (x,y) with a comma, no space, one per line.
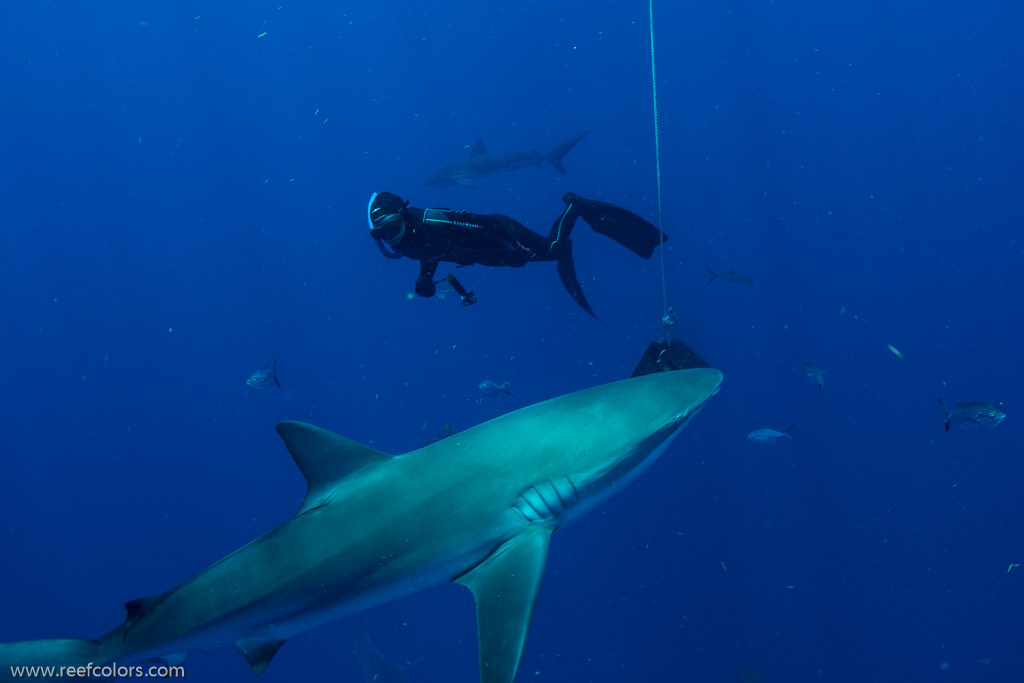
(731,276)
(769,435)
(259,379)
(973,417)
(816,373)
(490,388)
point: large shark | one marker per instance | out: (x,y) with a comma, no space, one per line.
(480,164)
(477,508)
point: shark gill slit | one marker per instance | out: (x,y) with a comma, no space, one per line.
(535,507)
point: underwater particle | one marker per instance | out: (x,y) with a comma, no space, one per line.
(1015,564)
(170,329)
(896,352)
(260,35)
(410,296)
(724,568)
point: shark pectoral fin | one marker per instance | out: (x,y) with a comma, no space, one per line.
(505,587)
(478,148)
(324,458)
(258,652)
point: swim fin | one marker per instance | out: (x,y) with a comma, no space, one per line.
(567,273)
(621,225)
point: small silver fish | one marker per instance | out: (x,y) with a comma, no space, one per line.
(376,667)
(815,373)
(259,379)
(490,388)
(973,417)
(731,276)
(769,435)
(443,433)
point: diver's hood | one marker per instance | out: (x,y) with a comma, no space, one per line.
(386,216)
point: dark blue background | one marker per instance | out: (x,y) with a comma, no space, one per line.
(184,201)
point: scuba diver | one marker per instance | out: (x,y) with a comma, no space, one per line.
(434,235)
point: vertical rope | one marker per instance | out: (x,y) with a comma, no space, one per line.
(667,317)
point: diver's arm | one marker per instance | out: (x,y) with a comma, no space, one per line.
(425,286)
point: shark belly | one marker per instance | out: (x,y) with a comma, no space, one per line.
(291,580)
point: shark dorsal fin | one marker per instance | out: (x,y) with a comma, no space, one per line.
(478,148)
(505,587)
(258,652)
(324,457)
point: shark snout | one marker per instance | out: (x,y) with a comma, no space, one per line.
(696,386)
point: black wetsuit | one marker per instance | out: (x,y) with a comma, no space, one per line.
(431,236)
(436,235)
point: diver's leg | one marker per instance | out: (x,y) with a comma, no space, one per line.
(621,225)
(527,245)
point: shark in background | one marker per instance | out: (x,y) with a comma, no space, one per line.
(480,164)
(477,508)
(377,668)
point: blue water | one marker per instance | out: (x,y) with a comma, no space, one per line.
(183,201)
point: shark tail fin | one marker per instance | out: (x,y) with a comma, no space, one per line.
(567,273)
(554,157)
(945,410)
(713,275)
(20,659)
